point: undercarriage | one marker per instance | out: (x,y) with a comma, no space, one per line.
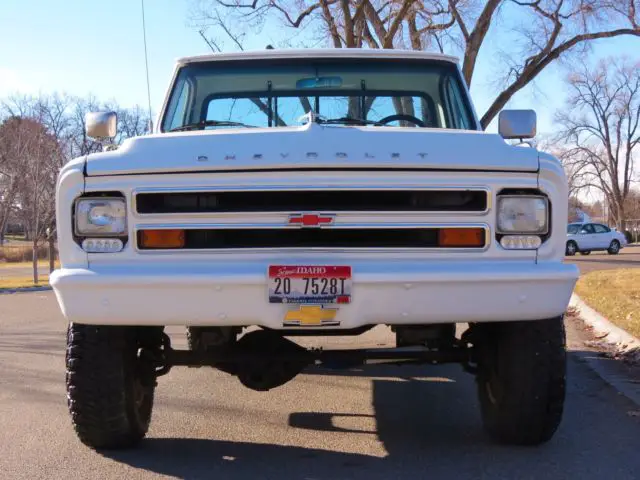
(264,359)
(112,371)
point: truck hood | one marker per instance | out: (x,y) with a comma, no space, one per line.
(313,146)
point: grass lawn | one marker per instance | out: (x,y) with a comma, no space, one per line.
(615,294)
(22,282)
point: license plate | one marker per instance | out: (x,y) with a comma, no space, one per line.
(309,284)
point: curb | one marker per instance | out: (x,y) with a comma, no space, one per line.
(615,336)
(623,343)
(4,291)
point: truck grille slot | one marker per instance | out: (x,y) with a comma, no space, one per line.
(329,200)
(308,238)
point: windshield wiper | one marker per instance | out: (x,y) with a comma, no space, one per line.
(346,121)
(210,123)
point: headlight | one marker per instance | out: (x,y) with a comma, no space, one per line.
(101,216)
(522,214)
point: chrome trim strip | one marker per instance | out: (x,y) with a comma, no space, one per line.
(311,249)
(286,213)
(253,188)
(284,226)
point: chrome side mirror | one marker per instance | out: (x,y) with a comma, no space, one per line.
(517,124)
(101,124)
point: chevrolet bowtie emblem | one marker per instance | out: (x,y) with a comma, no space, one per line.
(310,219)
(311,316)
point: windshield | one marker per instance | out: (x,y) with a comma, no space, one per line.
(573,229)
(213,95)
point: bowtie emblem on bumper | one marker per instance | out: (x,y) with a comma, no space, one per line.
(311,316)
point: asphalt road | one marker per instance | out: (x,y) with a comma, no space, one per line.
(382,423)
(628,257)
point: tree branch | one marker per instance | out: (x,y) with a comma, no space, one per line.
(331,23)
(533,70)
(397,21)
(476,39)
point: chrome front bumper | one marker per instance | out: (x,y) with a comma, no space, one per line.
(384,292)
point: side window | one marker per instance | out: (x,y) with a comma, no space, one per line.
(601,228)
(588,228)
(178,108)
(458,111)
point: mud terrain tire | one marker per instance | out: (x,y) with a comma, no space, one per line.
(109,389)
(521,379)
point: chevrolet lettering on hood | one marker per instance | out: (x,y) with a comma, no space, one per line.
(343,155)
(329,193)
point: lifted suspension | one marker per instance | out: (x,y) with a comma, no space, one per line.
(264,359)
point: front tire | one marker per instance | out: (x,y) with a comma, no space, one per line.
(521,379)
(614,248)
(571,248)
(110,389)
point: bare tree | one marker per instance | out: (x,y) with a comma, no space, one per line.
(32,158)
(37,137)
(601,130)
(132,122)
(559,149)
(539,31)
(13,147)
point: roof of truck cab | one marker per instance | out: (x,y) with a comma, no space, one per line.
(309,53)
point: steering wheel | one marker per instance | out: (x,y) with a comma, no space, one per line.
(400,116)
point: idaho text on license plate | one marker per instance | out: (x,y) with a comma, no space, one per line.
(309,284)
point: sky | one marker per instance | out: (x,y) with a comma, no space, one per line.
(87,47)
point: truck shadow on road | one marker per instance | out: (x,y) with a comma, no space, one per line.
(428,429)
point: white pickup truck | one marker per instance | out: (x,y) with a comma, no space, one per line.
(292,192)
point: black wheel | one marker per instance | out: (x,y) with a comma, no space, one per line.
(614,248)
(109,387)
(585,252)
(521,379)
(571,248)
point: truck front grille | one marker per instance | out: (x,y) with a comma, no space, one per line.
(467,200)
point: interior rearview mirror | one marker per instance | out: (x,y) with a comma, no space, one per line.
(101,124)
(517,124)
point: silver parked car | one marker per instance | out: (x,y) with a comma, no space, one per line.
(587,237)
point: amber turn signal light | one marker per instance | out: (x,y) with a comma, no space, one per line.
(162,238)
(461,237)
